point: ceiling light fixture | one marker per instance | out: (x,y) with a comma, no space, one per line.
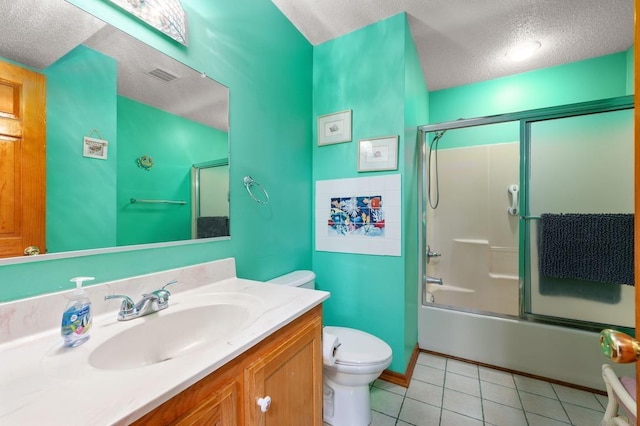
(523,50)
(167,16)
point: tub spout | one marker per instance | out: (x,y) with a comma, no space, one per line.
(432,280)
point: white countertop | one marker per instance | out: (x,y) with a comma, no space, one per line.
(43,383)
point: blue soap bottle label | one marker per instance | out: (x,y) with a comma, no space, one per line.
(76,318)
(76,321)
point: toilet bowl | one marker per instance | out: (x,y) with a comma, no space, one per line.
(359,360)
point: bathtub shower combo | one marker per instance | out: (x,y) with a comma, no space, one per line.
(528,218)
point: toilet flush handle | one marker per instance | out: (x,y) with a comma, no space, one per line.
(264,403)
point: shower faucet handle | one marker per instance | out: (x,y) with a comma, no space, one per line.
(431,254)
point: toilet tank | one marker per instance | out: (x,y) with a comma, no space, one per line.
(302,278)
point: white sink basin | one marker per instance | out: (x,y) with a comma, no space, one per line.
(167,335)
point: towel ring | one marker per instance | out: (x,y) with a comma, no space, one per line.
(248,183)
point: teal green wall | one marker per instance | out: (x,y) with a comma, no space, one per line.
(249,46)
(81,191)
(175,144)
(375,73)
(564,84)
(416,112)
(582,81)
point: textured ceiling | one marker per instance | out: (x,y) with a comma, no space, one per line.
(39,36)
(465,41)
(458,41)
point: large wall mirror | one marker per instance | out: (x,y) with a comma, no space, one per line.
(128,130)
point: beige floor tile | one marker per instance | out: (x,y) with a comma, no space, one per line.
(581,416)
(449,418)
(502,415)
(462,368)
(418,413)
(431,375)
(379,419)
(462,403)
(391,387)
(535,386)
(425,392)
(462,384)
(548,407)
(577,397)
(432,360)
(385,402)
(537,420)
(500,394)
(497,377)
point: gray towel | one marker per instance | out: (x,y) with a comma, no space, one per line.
(212,226)
(581,289)
(592,247)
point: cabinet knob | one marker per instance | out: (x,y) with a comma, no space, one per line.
(264,403)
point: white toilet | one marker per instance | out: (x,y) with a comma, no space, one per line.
(359,360)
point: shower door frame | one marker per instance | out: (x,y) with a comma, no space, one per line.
(526,118)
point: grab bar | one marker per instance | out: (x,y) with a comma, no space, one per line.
(135,200)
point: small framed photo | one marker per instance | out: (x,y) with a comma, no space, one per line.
(334,128)
(95,148)
(378,154)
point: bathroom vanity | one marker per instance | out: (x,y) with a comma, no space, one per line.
(226,351)
(286,367)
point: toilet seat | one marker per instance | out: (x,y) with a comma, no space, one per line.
(358,348)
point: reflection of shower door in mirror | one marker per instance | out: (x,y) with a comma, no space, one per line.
(22,161)
(210,186)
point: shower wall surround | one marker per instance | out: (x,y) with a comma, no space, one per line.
(477,238)
(359,215)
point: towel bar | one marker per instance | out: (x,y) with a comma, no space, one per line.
(135,200)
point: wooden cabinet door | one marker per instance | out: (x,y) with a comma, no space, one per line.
(291,375)
(22,160)
(212,402)
(218,410)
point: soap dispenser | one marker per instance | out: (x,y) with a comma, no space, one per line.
(76,319)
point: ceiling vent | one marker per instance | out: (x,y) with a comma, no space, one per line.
(163,75)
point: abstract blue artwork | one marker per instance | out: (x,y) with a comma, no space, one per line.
(356,216)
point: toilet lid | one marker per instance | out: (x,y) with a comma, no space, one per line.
(358,347)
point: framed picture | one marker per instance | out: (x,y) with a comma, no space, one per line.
(378,154)
(95,148)
(334,128)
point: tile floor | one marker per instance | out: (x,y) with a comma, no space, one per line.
(446,392)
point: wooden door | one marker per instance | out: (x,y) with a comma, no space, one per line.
(636,122)
(291,376)
(22,160)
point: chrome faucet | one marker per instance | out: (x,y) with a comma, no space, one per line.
(152,302)
(432,280)
(431,254)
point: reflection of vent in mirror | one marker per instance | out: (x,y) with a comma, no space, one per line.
(163,75)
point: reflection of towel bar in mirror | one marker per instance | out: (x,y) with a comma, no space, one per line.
(135,200)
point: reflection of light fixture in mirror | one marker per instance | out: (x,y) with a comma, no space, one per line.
(167,16)
(523,51)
